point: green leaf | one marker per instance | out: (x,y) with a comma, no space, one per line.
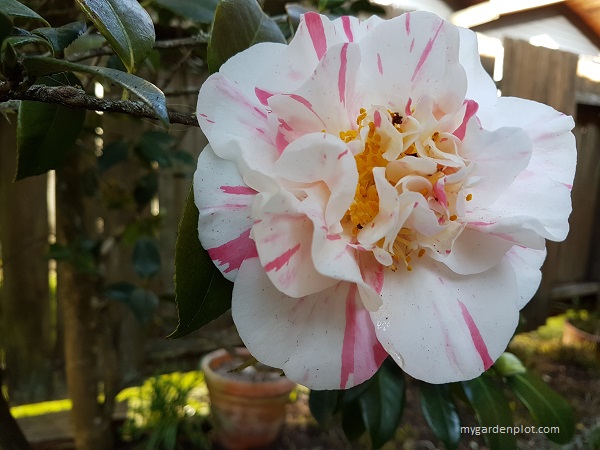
(112,154)
(146,91)
(352,421)
(155,146)
(508,364)
(202,293)
(120,291)
(61,37)
(366,6)
(238,25)
(184,157)
(329,4)
(24,39)
(13,8)
(440,413)
(382,403)
(145,188)
(200,11)
(143,304)
(46,132)
(126,26)
(545,405)
(492,410)
(146,257)
(6,26)
(323,405)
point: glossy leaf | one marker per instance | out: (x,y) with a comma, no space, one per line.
(126,26)
(46,132)
(13,8)
(200,11)
(143,304)
(155,146)
(323,405)
(146,257)
(6,26)
(146,91)
(492,410)
(508,364)
(112,154)
(238,25)
(61,37)
(352,421)
(546,406)
(440,413)
(382,403)
(201,292)
(120,291)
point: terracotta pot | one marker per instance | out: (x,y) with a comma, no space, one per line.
(247,414)
(573,335)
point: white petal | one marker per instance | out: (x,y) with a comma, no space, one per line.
(283,235)
(412,56)
(554,152)
(352,29)
(480,87)
(323,341)
(223,201)
(526,263)
(441,327)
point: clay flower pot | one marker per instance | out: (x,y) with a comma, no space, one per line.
(248,411)
(574,336)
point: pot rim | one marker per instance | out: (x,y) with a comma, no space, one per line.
(591,337)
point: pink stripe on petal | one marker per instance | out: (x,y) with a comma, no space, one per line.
(440,192)
(426,51)
(349,338)
(316,32)
(262,113)
(347,28)
(476,337)
(377,119)
(238,190)
(341,155)
(472,107)
(447,342)
(379,64)
(285,125)
(412,45)
(280,142)
(407,23)
(234,252)
(263,96)
(407,108)
(281,260)
(342,74)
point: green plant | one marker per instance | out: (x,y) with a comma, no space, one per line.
(168,413)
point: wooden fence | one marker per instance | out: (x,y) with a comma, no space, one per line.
(30,329)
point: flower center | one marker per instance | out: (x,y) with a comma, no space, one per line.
(420,160)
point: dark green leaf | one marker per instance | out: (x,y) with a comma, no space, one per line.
(202,293)
(46,132)
(323,405)
(6,26)
(382,403)
(238,25)
(492,410)
(508,364)
(146,91)
(59,252)
(61,37)
(146,188)
(440,413)
(13,8)
(329,4)
(143,304)
(201,11)
(547,407)
(146,257)
(24,39)
(9,58)
(120,291)
(295,12)
(126,26)
(155,146)
(112,154)
(352,421)
(366,6)
(184,157)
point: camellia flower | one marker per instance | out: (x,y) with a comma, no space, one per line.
(370,195)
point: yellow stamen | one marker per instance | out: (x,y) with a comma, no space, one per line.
(453,217)
(469,197)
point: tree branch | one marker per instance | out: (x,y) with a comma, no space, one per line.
(76,98)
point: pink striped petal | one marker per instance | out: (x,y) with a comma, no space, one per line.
(323,341)
(447,327)
(224,202)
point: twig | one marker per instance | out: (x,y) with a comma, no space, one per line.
(201,38)
(76,98)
